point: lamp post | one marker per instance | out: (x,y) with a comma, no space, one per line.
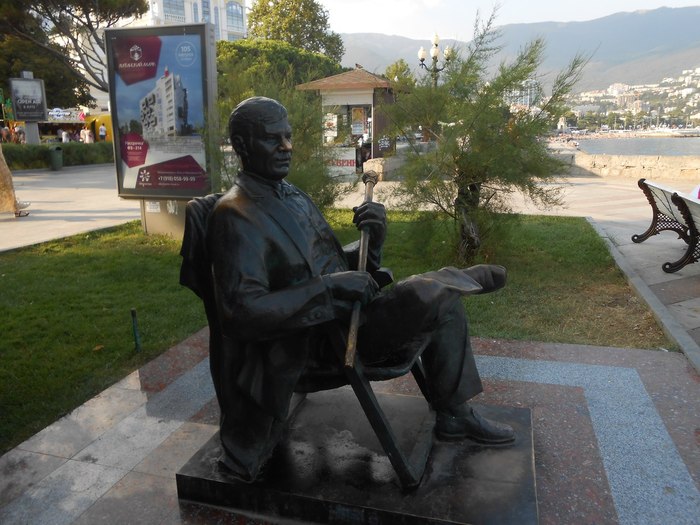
(434,69)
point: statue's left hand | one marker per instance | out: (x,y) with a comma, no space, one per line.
(371,215)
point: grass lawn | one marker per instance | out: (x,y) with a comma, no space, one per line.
(65,305)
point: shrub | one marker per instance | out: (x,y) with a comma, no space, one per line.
(36,156)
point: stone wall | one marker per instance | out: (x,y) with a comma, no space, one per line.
(636,167)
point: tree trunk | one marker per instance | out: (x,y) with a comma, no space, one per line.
(466,204)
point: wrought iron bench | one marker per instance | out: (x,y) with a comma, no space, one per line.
(673,212)
(690,211)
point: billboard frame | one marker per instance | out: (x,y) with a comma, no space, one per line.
(34,112)
(190,172)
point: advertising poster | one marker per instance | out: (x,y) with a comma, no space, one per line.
(330,125)
(358,121)
(159,100)
(28,99)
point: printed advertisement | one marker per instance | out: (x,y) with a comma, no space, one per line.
(28,99)
(358,121)
(158,93)
(330,125)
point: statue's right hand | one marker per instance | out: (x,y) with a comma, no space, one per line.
(352,286)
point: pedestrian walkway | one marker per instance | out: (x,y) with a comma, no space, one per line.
(616,430)
(73,200)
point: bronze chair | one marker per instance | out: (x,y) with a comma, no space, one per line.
(195,273)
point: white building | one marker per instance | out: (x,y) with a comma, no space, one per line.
(164,109)
(228,16)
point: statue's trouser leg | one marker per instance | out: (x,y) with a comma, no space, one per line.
(425,306)
(248,437)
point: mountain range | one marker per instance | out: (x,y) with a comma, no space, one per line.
(640,47)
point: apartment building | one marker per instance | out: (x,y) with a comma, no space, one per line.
(164,110)
(227,16)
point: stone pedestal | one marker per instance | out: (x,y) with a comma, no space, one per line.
(331,469)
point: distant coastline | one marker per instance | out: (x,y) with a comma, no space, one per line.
(634,143)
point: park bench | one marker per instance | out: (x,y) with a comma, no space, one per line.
(675,212)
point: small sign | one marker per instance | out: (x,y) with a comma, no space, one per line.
(28,99)
(152,207)
(330,125)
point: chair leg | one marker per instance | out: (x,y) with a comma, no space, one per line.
(409,470)
(418,372)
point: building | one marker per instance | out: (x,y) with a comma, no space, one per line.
(228,16)
(354,126)
(164,109)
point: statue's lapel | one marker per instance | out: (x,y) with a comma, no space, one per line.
(281,215)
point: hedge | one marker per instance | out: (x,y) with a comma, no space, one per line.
(36,156)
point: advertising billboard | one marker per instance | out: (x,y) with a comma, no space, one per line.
(28,99)
(162,89)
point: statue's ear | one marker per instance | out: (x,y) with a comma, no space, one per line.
(240,147)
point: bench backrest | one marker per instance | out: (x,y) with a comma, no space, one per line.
(663,198)
(693,206)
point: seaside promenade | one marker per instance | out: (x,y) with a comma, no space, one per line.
(616,430)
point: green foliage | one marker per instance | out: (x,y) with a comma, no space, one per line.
(486,145)
(63,88)
(401,78)
(36,156)
(274,69)
(301,23)
(69,31)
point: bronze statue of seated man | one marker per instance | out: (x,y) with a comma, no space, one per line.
(281,282)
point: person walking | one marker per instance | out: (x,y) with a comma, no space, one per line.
(103,133)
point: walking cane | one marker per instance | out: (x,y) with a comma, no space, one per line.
(370,179)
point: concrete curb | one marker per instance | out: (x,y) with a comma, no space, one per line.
(669,325)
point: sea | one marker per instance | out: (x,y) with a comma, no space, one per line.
(656,146)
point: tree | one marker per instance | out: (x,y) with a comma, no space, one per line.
(301,23)
(274,69)
(486,142)
(401,78)
(63,88)
(75,29)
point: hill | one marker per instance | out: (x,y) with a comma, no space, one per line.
(633,48)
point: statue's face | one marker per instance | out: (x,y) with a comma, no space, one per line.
(270,150)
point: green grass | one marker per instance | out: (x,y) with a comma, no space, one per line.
(563,285)
(66,322)
(66,317)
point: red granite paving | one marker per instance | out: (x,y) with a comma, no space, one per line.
(571,482)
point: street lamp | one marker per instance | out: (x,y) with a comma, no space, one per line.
(434,69)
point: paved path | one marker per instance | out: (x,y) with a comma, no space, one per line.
(66,202)
(616,431)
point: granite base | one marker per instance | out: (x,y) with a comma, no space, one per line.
(332,469)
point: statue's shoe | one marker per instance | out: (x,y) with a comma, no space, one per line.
(469,424)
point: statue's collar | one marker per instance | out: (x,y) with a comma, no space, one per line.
(260,187)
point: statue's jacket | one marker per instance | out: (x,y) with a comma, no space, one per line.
(272,307)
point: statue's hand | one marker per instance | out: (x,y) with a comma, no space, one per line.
(352,286)
(371,215)
(491,277)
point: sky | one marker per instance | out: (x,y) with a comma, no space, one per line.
(421,19)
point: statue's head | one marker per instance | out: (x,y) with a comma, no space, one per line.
(261,136)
